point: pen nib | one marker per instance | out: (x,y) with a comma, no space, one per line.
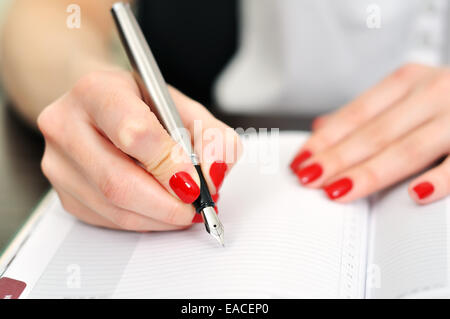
(221,240)
(213,224)
(219,237)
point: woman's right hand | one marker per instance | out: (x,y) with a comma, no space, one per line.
(112,163)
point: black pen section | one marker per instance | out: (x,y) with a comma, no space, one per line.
(204,199)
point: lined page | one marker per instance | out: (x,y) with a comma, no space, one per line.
(409,250)
(282,240)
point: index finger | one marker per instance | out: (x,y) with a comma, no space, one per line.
(364,108)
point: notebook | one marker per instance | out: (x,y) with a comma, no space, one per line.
(282,241)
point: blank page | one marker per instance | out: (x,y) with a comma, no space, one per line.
(409,247)
(282,240)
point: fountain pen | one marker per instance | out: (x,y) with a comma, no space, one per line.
(156,95)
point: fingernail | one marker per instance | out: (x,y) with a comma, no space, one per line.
(185,187)
(316,122)
(215,197)
(424,190)
(338,188)
(309,173)
(197,218)
(217,173)
(300,158)
(216,209)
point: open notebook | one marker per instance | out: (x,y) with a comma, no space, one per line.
(282,240)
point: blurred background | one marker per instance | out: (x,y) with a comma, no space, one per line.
(21,182)
(3,7)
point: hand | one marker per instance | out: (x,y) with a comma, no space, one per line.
(114,165)
(394,130)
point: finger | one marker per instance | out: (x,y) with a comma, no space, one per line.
(366,107)
(432,185)
(116,177)
(128,122)
(126,222)
(77,209)
(217,145)
(319,122)
(403,158)
(68,180)
(367,140)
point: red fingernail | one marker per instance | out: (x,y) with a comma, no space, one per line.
(216,209)
(217,173)
(197,218)
(309,173)
(185,187)
(424,189)
(300,158)
(215,197)
(316,123)
(338,188)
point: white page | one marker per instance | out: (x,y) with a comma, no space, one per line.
(409,247)
(281,240)
(43,242)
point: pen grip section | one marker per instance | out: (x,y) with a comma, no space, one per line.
(204,199)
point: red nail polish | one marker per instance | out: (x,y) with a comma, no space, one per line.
(217,173)
(215,197)
(424,189)
(339,188)
(300,158)
(197,218)
(309,173)
(216,209)
(185,187)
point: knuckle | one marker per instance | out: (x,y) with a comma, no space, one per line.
(49,170)
(47,122)
(132,132)
(406,71)
(45,166)
(42,121)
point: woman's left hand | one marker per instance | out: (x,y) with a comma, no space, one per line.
(394,130)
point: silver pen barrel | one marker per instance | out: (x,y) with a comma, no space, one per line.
(155,93)
(148,76)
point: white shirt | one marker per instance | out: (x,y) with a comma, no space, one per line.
(311,56)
